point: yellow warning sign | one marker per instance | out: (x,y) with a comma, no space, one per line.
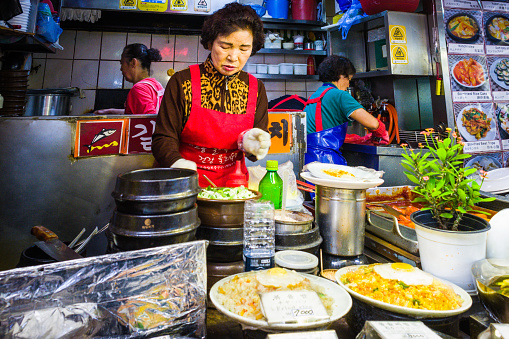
(399,54)
(153,5)
(127,4)
(178,5)
(398,34)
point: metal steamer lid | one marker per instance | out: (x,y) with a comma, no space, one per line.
(296,260)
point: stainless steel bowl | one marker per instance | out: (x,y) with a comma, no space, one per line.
(292,222)
(487,273)
(156,190)
(223,213)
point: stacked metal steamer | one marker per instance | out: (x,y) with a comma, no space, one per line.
(297,231)
(155,207)
(222,224)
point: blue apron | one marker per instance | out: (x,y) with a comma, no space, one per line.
(324,145)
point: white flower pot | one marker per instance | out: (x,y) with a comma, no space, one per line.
(449,255)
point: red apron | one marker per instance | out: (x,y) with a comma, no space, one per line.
(210,137)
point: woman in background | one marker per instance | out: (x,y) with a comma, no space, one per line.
(214,113)
(329,109)
(147,93)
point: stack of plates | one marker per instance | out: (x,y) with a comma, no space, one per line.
(13,87)
(24,18)
(496,181)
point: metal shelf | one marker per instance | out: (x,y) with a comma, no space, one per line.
(288,77)
(372,74)
(14,40)
(294,25)
(290,51)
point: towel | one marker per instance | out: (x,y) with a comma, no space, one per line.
(88,15)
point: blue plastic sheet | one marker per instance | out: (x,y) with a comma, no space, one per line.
(46,26)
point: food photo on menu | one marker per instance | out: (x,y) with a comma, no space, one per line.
(502,113)
(463,27)
(476,122)
(496,28)
(468,73)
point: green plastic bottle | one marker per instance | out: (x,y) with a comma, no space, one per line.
(271,185)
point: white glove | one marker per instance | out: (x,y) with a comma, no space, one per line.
(183,163)
(256,142)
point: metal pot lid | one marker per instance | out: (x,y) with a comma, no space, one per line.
(55,91)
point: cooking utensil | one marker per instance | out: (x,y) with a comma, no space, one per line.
(80,248)
(210,181)
(156,191)
(100,231)
(53,246)
(77,238)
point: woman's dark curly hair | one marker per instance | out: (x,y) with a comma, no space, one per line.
(142,53)
(231,18)
(333,67)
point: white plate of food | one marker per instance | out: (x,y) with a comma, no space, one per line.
(408,285)
(485,163)
(469,73)
(223,295)
(499,72)
(342,172)
(347,184)
(476,125)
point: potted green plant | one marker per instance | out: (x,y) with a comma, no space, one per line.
(450,238)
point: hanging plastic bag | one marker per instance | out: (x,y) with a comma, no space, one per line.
(344,5)
(294,198)
(46,26)
(353,14)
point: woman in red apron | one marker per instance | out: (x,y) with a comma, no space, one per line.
(214,113)
(147,93)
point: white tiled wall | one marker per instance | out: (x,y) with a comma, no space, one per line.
(90,61)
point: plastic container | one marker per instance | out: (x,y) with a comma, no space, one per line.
(298,261)
(259,235)
(274,43)
(273,69)
(278,9)
(261,68)
(271,185)
(285,68)
(237,178)
(288,45)
(300,69)
(250,68)
(304,10)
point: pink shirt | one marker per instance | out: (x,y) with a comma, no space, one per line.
(145,97)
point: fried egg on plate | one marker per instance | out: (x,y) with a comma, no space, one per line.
(404,272)
(279,277)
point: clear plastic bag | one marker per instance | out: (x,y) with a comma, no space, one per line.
(353,14)
(294,197)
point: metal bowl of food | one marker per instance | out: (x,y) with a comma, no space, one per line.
(222,210)
(156,190)
(292,222)
(492,282)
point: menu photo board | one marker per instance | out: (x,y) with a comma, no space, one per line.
(496,33)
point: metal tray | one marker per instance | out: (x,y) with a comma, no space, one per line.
(392,231)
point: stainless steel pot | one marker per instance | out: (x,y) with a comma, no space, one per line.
(340,215)
(51,101)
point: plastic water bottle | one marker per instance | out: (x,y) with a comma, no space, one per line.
(271,185)
(259,230)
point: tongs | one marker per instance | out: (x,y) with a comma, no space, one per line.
(78,247)
(303,186)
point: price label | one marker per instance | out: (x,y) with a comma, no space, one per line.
(497,50)
(495,6)
(465,49)
(401,329)
(466,4)
(482,146)
(471,96)
(287,307)
(501,96)
(505,144)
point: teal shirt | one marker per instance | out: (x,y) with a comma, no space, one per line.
(337,105)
